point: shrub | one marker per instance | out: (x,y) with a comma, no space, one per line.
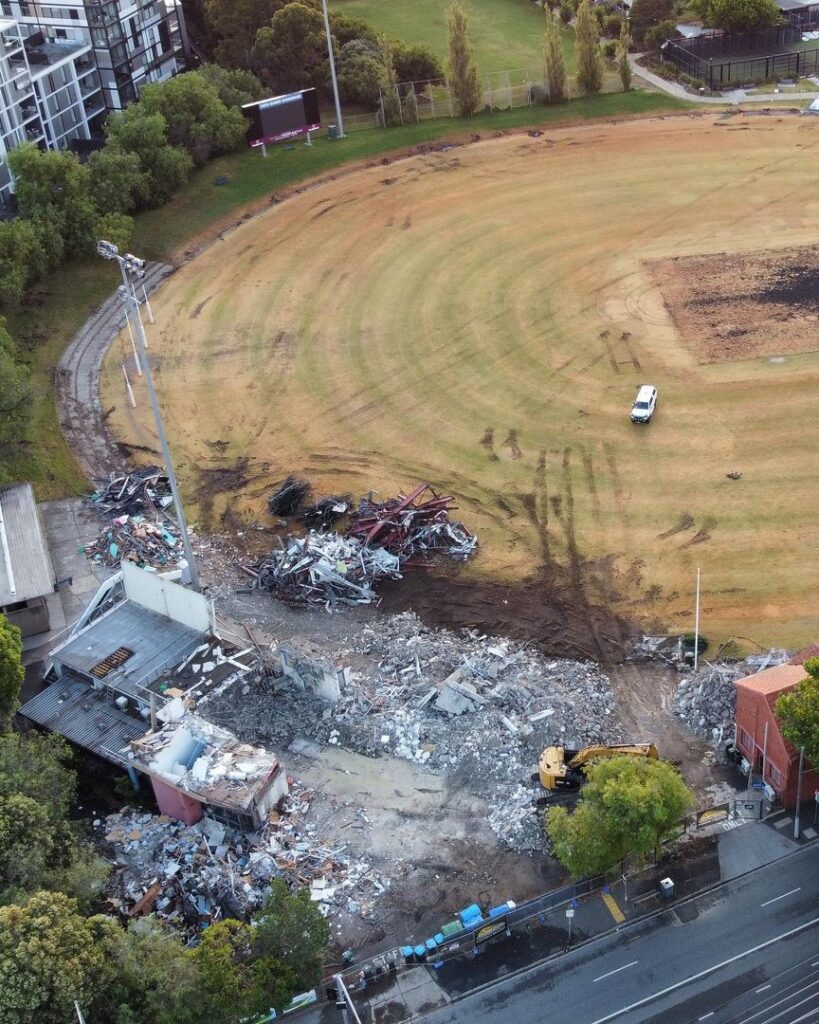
(566,13)
(658,34)
(610,49)
(611,25)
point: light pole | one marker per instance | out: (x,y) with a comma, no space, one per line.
(131,267)
(697,624)
(339,122)
(798,793)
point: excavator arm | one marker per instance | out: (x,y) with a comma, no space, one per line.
(561,768)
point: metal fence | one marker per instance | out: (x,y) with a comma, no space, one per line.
(736,44)
(728,74)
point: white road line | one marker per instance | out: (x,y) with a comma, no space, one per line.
(776,899)
(705,973)
(815,963)
(763,989)
(617,970)
(705,1016)
(786,996)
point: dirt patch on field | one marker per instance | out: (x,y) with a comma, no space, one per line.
(743,305)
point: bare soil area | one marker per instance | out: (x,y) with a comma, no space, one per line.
(743,305)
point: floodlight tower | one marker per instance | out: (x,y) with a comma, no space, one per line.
(133,269)
(332,58)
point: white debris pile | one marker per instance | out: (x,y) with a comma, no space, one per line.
(705,700)
(479,709)
(193,875)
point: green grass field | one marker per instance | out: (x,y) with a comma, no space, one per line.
(481,317)
(506,34)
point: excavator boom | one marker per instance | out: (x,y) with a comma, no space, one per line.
(561,768)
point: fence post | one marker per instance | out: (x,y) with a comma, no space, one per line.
(400,104)
(415,102)
(381,105)
(489,93)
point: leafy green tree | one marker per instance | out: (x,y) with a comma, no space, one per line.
(12,672)
(798,713)
(234,24)
(463,75)
(165,167)
(415,64)
(345,29)
(22,260)
(27,842)
(290,929)
(647,13)
(627,807)
(623,66)
(291,53)
(49,957)
(555,62)
(37,766)
(360,72)
(589,58)
(737,15)
(54,188)
(657,34)
(390,100)
(120,185)
(15,413)
(234,88)
(197,119)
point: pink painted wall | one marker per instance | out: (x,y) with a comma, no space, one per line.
(176,804)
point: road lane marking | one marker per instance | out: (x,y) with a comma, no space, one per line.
(705,973)
(776,899)
(617,970)
(785,998)
(815,963)
(763,989)
(705,1016)
(614,910)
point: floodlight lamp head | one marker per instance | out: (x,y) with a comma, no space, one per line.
(107,250)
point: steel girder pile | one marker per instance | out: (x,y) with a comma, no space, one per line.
(384,536)
(145,490)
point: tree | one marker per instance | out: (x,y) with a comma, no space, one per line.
(291,930)
(798,712)
(165,167)
(589,58)
(415,64)
(36,766)
(627,807)
(390,100)
(234,24)
(27,841)
(360,72)
(15,413)
(657,34)
(345,29)
(291,53)
(22,260)
(12,672)
(463,76)
(118,181)
(555,61)
(623,66)
(48,958)
(54,188)
(737,15)
(646,13)
(234,88)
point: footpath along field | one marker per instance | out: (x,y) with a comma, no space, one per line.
(481,317)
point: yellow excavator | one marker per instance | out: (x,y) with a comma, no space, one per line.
(562,769)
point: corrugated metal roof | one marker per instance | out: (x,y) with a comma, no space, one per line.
(25,564)
(158,644)
(84,716)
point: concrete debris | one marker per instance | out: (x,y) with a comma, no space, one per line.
(706,700)
(288,498)
(144,491)
(151,545)
(193,875)
(326,568)
(476,708)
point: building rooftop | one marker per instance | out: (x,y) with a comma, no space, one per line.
(26,571)
(774,680)
(129,648)
(84,715)
(207,762)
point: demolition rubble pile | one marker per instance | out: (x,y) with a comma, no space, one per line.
(383,538)
(193,875)
(477,708)
(705,700)
(139,530)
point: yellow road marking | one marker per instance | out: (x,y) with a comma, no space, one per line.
(615,911)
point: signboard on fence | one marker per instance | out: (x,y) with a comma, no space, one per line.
(491,930)
(281,117)
(712,814)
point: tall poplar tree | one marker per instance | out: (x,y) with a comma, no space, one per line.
(555,61)
(589,58)
(463,76)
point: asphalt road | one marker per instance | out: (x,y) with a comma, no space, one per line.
(710,959)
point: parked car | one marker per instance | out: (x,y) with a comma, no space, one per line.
(644,404)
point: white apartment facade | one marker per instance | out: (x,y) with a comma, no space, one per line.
(64,68)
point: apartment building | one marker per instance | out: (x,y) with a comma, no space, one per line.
(64,68)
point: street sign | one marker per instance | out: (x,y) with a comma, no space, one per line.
(570,913)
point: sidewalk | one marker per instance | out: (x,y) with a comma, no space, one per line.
(732,97)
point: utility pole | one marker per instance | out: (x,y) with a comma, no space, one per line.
(330,54)
(798,793)
(132,267)
(697,623)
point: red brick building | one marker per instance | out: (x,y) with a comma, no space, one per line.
(759,738)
